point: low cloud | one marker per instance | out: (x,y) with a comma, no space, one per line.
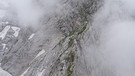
(117,35)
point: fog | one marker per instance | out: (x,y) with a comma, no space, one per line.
(117,35)
(27,13)
(31,12)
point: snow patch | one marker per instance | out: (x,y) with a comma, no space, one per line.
(16,29)
(4,46)
(40,74)
(31,36)
(40,53)
(4,73)
(25,72)
(4,32)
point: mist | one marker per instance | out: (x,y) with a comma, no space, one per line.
(31,12)
(117,35)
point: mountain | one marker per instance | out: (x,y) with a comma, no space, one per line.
(67,38)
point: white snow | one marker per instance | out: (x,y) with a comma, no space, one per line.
(31,36)
(4,32)
(4,46)
(16,29)
(40,74)
(40,53)
(4,73)
(25,72)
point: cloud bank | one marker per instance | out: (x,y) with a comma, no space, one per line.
(30,12)
(117,35)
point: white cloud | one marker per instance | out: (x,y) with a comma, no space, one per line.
(117,35)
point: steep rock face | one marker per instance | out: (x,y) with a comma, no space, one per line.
(55,48)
